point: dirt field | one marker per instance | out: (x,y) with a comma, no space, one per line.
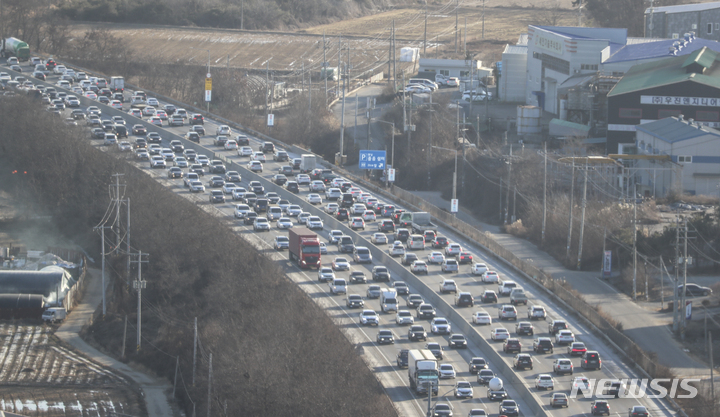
(40,377)
(368,43)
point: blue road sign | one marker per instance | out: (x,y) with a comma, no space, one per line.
(372,160)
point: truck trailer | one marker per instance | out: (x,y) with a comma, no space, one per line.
(422,371)
(17,48)
(304,247)
(418,222)
(307,163)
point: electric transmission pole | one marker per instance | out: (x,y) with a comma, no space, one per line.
(544,193)
(325,65)
(425,31)
(457,9)
(582,217)
(570,222)
(139,285)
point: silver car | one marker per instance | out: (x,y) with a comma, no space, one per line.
(282,242)
(325,274)
(284,223)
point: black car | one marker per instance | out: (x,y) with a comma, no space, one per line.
(409,258)
(380,273)
(524,327)
(509,408)
(499,395)
(249,218)
(197,119)
(267,147)
(425,311)
(489,297)
(296,163)
(512,345)
(261,204)
(457,341)
(286,170)
(139,130)
(464,299)
(154,137)
(292,186)
(198,169)
(599,407)
(591,360)
(192,137)
(279,179)
(416,332)
(141,143)
(256,187)
(402,234)
(242,140)
(216,196)
(342,214)
(543,345)
(386,226)
(216,182)
(232,176)
(402,358)
(169,109)
(556,326)
(281,156)
(97,133)
(476,365)
(484,375)
(522,361)
(121,131)
(357,277)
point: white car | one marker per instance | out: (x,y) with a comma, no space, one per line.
(418,267)
(133,112)
(245,151)
(258,156)
(563,366)
(238,193)
(149,111)
(261,223)
(440,325)
(124,146)
(227,188)
(314,222)
(564,337)
(151,101)
(255,166)
(358,209)
(369,317)
(479,268)
(157,161)
(241,210)
(490,277)
(116,104)
(293,210)
(331,208)
(481,317)
(230,145)
(435,258)
(314,199)
(223,130)
(453,249)
(181,162)
(302,179)
(340,264)
(156,121)
(357,223)
(404,317)
(463,389)
(369,216)
(507,312)
(302,217)
(447,371)
(379,238)
(448,285)
(196,186)
(317,186)
(581,383)
(284,223)
(334,236)
(397,249)
(325,274)
(333,193)
(499,333)
(544,381)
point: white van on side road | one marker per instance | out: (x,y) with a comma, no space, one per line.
(54,315)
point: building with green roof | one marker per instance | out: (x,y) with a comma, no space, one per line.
(680,85)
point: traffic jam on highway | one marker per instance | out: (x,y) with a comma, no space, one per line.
(428,308)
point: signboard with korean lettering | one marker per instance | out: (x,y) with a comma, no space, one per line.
(552,45)
(372,160)
(680,101)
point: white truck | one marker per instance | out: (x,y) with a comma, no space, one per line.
(307,163)
(388,300)
(117,84)
(54,315)
(422,371)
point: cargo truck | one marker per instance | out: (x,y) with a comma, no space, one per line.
(388,300)
(422,371)
(419,222)
(17,48)
(307,163)
(304,247)
(117,84)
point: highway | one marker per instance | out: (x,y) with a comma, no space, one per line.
(381,359)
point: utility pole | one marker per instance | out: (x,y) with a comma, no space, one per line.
(209,400)
(127,244)
(425,31)
(340,71)
(430,138)
(356,108)
(712,378)
(124,338)
(390,57)
(570,222)
(325,65)
(544,193)
(582,218)
(437,46)
(457,9)
(342,115)
(195,340)
(676,319)
(139,285)
(242,14)
(507,196)
(483,20)
(267,88)
(394,56)
(684,287)
(635,246)
(465,39)
(512,219)
(102,237)
(116,224)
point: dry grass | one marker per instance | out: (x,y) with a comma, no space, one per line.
(368,40)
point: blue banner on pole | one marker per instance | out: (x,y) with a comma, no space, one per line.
(372,160)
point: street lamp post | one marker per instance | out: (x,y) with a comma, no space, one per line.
(454,197)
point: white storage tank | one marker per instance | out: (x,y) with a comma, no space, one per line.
(528,120)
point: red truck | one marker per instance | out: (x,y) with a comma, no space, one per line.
(304,247)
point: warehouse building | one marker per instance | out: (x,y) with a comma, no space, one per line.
(694,157)
(679,85)
(673,21)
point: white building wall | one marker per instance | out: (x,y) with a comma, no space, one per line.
(513,81)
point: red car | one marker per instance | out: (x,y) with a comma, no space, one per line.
(465,258)
(576,349)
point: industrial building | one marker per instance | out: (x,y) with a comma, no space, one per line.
(673,21)
(679,85)
(693,152)
(459,68)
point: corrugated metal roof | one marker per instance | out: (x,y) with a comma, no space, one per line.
(523,39)
(704,57)
(658,49)
(663,72)
(516,49)
(683,8)
(672,129)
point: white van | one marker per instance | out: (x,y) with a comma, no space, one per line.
(416,242)
(422,81)
(388,300)
(506,287)
(338,286)
(54,314)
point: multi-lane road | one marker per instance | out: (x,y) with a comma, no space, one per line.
(381,359)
